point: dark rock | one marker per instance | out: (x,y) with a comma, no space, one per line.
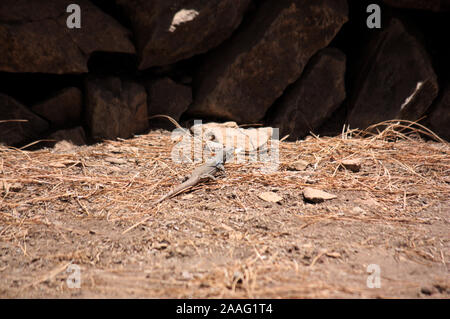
(75,135)
(115,108)
(433,5)
(34,36)
(242,79)
(397,80)
(312,99)
(62,109)
(13,133)
(334,125)
(439,118)
(166,97)
(168,31)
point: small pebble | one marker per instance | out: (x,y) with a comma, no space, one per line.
(353,165)
(316,195)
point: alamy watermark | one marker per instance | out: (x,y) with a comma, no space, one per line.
(74,19)
(374,19)
(74,279)
(252,145)
(374,279)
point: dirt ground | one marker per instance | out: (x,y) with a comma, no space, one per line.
(92,207)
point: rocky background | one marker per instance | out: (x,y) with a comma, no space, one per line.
(300,65)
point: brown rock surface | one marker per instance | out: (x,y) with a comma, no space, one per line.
(34,36)
(308,102)
(433,5)
(64,108)
(439,118)
(242,79)
(168,31)
(397,80)
(168,98)
(13,133)
(115,108)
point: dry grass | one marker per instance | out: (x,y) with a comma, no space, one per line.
(67,191)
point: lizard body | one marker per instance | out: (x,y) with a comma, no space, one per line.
(206,171)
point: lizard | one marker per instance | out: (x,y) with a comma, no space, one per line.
(206,171)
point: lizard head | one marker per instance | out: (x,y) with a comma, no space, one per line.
(230,152)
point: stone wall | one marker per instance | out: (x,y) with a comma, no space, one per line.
(303,66)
